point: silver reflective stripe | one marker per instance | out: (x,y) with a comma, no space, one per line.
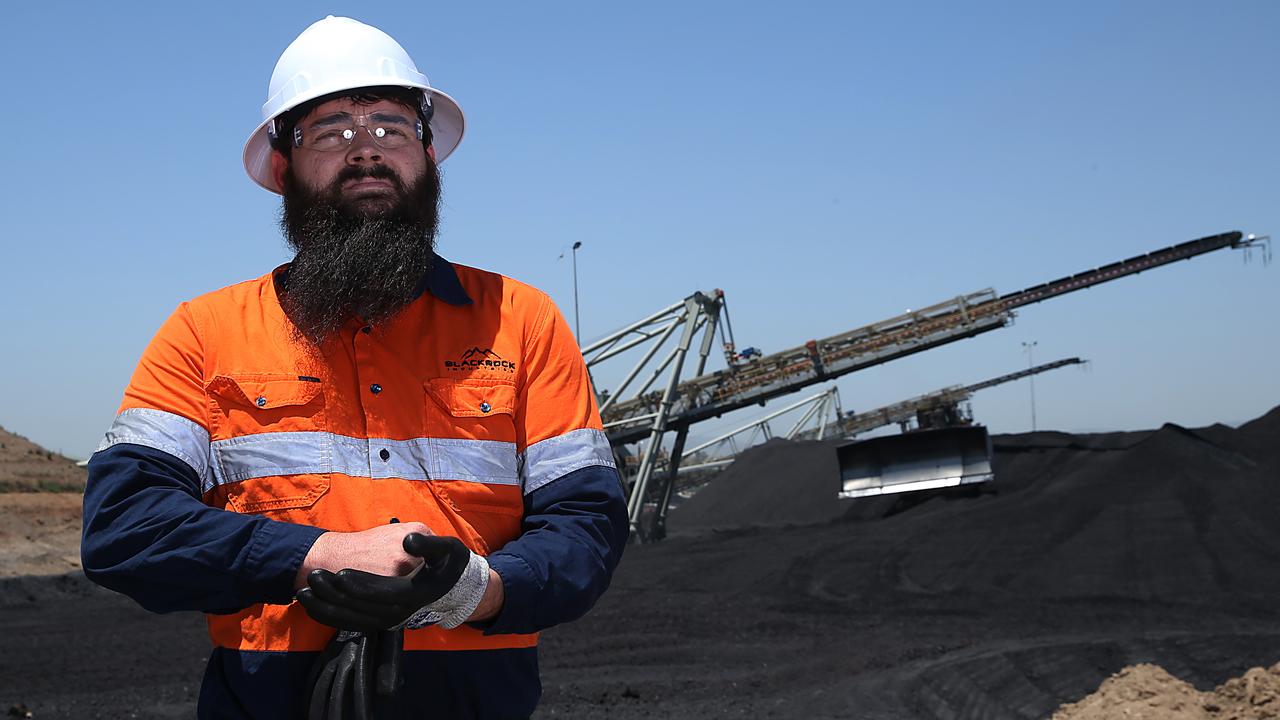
(164,431)
(297,453)
(486,461)
(267,454)
(558,456)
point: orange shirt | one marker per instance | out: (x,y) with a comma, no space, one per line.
(450,414)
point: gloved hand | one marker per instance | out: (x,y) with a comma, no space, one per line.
(351,670)
(445,590)
(341,679)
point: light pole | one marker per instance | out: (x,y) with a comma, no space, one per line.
(577,329)
(1028,347)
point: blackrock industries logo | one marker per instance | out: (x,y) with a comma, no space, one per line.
(476,359)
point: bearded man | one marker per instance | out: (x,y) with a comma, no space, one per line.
(379,473)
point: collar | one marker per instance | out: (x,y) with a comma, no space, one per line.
(441,279)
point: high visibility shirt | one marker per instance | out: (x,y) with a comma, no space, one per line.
(236,446)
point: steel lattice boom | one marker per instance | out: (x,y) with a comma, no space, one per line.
(649,415)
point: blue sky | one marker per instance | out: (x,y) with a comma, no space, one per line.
(827,164)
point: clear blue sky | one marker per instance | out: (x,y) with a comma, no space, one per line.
(828,165)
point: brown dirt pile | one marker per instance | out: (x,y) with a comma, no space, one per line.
(1147,691)
(25,466)
(39,533)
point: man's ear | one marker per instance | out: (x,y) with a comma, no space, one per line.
(279,164)
(431,152)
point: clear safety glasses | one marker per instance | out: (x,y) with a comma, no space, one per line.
(336,132)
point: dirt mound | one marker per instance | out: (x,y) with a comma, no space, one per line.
(39,533)
(1147,691)
(1140,692)
(1256,695)
(26,466)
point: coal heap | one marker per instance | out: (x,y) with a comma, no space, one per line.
(1087,554)
(779,482)
(1145,517)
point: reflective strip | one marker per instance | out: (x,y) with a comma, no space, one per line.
(486,461)
(268,454)
(163,431)
(299,453)
(558,456)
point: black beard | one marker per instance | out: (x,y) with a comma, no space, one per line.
(365,258)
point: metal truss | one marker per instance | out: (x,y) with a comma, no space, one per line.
(699,312)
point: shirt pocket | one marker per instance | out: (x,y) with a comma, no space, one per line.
(270,449)
(471,429)
(472,409)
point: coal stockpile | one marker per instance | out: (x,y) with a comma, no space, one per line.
(1089,554)
(777,483)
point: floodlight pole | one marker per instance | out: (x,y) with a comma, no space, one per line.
(1028,348)
(577,329)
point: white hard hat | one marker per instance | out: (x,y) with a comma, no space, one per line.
(337,54)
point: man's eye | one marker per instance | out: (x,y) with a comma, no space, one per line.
(391,132)
(328,136)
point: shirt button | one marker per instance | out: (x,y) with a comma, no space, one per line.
(375,388)
(384,454)
(485,407)
(261,402)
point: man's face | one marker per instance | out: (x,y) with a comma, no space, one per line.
(361,216)
(340,170)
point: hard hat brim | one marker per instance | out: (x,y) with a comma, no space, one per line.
(447,128)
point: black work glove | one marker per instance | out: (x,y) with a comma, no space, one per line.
(351,670)
(446,589)
(339,685)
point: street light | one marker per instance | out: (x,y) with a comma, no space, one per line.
(577,329)
(1027,347)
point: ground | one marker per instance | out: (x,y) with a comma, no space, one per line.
(1146,556)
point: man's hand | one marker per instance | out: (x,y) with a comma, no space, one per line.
(378,550)
(446,590)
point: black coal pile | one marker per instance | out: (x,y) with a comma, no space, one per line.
(1088,553)
(779,482)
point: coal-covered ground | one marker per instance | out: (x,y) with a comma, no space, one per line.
(1088,553)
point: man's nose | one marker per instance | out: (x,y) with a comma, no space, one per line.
(363,149)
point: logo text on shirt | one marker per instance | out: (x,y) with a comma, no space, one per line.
(477,358)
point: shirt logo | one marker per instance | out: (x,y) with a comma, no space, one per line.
(480,358)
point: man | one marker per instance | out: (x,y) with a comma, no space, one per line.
(426,428)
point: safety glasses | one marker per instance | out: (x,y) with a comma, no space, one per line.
(335,132)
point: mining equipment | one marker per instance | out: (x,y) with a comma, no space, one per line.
(648,416)
(940,445)
(943,448)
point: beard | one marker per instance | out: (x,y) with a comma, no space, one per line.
(362,257)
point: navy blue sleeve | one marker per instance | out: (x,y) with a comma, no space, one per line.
(148,535)
(575,529)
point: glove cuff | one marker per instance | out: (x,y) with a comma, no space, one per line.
(463,598)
